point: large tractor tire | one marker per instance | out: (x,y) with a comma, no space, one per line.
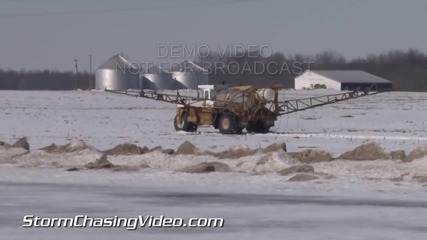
(227,124)
(192,127)
(184,125)
(257,127)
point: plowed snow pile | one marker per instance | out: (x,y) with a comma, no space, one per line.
(75,146)
(126,149)
(417,153)
(306,165)
(9,152)
(368,151)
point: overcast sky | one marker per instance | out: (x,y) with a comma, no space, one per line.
(49,34)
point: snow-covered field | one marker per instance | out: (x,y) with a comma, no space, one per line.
(254,207)
(382,197)
(103,120)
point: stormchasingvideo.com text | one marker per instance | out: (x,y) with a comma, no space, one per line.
(129,223)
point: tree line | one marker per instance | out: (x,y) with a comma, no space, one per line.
(406,69)
(44,80)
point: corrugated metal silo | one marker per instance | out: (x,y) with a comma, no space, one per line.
(145,83)
(158,78)
(189,75)
(116,73)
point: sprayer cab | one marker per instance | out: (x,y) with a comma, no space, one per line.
(208,92)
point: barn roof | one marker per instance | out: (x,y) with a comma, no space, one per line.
(350,76)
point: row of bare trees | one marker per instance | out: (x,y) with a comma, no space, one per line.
(406,69)
(44,80)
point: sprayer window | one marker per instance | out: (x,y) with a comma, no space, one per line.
(213,94)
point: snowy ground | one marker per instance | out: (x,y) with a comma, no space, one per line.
(104,120)
(362,202)
(254,207)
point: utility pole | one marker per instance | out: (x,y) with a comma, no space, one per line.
(90,72)
(77,71)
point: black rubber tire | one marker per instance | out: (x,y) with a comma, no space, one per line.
(257,127)
(192,127)
(250,128)
(227,124)
(184,125)
(265,129)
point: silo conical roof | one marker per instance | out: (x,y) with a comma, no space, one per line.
(188,66)
(156,69)
(116,61)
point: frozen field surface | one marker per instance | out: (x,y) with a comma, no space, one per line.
(103,120)
(380,199)
(254,207)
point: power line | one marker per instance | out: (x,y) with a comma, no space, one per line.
(121,10)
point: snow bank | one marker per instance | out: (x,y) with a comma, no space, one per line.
(8,155)
(272,160)
(417,153)
(74,146)
(367,151)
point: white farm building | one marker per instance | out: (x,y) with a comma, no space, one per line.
(340,80)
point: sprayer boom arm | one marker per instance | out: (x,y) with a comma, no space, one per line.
(154,95)
(296,105)
(277,107)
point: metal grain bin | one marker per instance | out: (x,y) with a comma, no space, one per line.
(116,73)
(158,78)
(189,75)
